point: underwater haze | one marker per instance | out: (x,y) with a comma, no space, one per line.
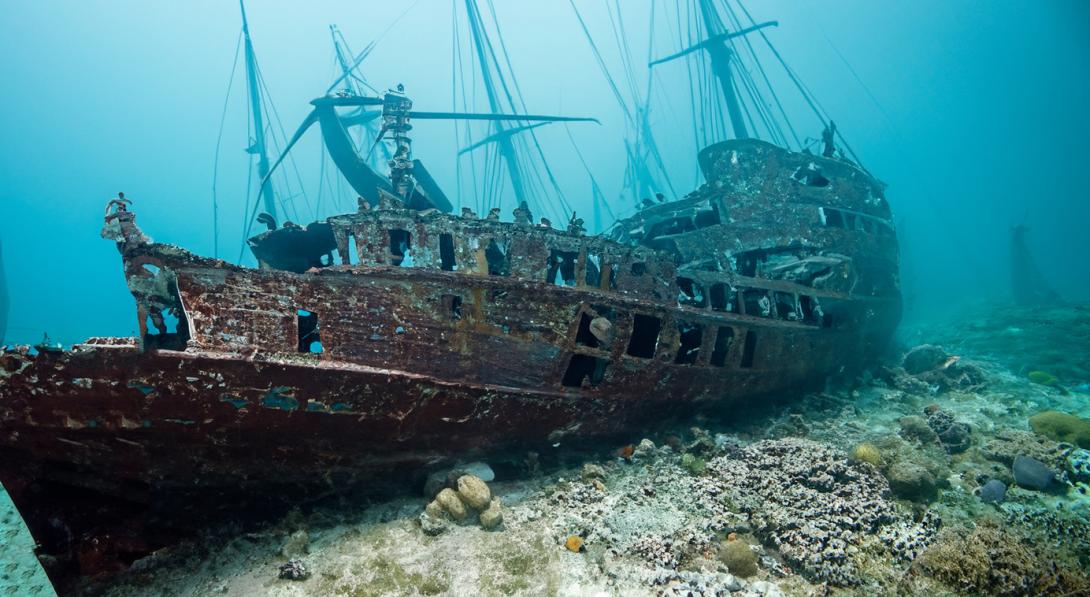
(731,297)
(973,112)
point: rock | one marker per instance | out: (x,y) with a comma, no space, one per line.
(911,481)
(766,588)
(953,435)
(435,509)
(592,471)
(1062,427)
(480,470)
(492,516)
(449,477)
(474,492)
(452,504)
(924,358)
(437,481)
(993,492)
(914,428)
(294,569)
(1032,474)
(695,465)
(867,452)
(1007,444)
(645,449)
(298,544)
(432,525)
(739,558)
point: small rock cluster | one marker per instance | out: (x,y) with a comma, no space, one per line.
(471,501)
(809,501)
(953,435)
(940,371)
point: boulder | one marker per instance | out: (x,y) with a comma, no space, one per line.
(911,481)
(452,504)
(474,492)
(1032,474)
(492,516)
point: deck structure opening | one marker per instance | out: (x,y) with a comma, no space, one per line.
(400,247)
(352,255)
(691,335)
(582,368)
(749,349)
(446,252)
(691,293)
(724,337)
(645,336)
(496,256)
(452,306)
(561,270)
(310,340)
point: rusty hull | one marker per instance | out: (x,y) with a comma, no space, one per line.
(500,335)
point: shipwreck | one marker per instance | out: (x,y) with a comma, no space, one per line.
(402,335)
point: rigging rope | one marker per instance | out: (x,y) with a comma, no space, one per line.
(216,159)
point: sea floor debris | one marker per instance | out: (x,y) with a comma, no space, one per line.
(674,514)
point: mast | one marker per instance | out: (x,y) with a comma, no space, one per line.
(352,81)
(720,55)
(503,142)
(258,147)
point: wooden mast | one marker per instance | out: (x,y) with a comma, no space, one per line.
(258,146)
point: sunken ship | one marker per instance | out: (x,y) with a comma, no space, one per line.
(403,335)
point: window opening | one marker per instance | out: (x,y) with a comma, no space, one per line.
(757,302)
(708,217)
(496,255)
(400,247)
(786,306)
(670,227)
(584,367)
(691,293)
(452,305)
(722,299)
(811,309)
(810,175)
(309,337)
(639,269)
(833,218)
(594,270)
(749,347)
(724,337)
(446,252)
(691,336)
(561,269)
(645,336)
(353,253)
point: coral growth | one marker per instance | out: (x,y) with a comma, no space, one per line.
(1062,427)
(739,558)
(991,560)
(809,501)
(867,452)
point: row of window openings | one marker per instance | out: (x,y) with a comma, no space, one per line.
(561,265)
(836,218)
(683,224)
(757,302)
(644,342)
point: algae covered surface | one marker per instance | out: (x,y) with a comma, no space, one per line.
(873,486)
